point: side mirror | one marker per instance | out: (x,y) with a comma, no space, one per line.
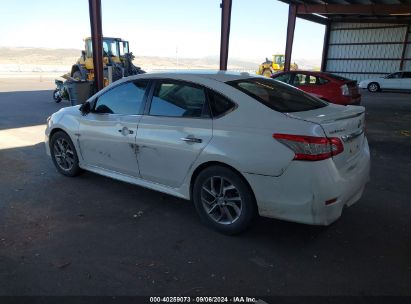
(83,54)
(85,108)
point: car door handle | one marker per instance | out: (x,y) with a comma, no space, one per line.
(125,131)
(192,139)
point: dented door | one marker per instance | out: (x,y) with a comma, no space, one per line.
(108,141)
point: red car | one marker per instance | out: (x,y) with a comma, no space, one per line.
(326,86)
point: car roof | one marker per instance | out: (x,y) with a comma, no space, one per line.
(222,76)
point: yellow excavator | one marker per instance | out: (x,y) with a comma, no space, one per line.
(268,67)
(115,53)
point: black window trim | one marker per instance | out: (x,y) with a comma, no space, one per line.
(154,82)
(143,102)
(233,108)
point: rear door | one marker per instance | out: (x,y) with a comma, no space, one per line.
(392,81)
(175,129)
(107,134)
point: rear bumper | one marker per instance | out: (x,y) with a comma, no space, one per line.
(300,193)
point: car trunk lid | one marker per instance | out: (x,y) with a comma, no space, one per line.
(345,122)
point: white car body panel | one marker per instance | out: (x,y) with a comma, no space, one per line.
(107,141)
(155,156)
(389,83)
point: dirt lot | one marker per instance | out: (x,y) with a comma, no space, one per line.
(95,236)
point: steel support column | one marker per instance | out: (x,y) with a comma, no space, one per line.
(97,42)
(292,15)
(325,47)
(404,47)
(225,32)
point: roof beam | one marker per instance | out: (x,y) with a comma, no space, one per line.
(314,18)
(97,43)
(399,20)
(225,32)
(360,9)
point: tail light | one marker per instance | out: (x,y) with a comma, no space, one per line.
(345,90)
(311,148)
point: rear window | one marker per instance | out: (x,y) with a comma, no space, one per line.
(277,96)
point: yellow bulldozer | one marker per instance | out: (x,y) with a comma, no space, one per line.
(268,68)
(115,54)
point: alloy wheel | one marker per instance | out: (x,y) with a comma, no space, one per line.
(373,87)
(63,154)
(221,200)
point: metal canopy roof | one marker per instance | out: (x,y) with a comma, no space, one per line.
(323,11)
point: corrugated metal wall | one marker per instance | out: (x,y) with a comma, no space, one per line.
(364,50)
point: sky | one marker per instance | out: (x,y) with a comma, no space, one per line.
(173,28)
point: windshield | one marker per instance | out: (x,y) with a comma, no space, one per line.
(279,59)
(276,95)
(393,75)
(110,47)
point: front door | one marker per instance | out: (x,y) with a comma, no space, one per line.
(175,130)
(392,81)
(107,134)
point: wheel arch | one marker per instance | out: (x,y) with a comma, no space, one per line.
(57,129)
(208,164)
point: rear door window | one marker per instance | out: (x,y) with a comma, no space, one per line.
(178,99)
(304,79)
(277,96)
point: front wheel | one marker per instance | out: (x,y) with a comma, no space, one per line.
(64,155)
(373,87)
(223,200)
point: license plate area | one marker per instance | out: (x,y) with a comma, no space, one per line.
(353,145)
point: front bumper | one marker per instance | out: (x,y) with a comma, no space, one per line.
(47,140)
(300,193)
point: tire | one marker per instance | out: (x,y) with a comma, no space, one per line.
(56,95)
(67,163)
(212,203)
(267,73)
(373,87)
(77,75)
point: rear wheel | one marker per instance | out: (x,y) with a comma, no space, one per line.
(64,155)
(223,200)
(373,87)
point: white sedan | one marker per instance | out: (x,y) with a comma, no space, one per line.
(237,145)
(394,81)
